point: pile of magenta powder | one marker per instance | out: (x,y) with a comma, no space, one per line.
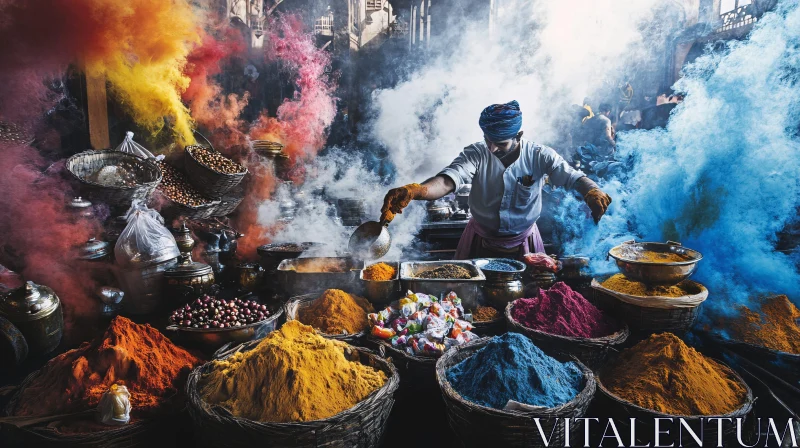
(562,311)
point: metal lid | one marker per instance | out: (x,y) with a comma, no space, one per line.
(78,203)
(28,302)
(187,268)
(93,250)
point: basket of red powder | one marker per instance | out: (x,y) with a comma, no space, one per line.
(335,313)
(662,377)
(70,385)
(563,322)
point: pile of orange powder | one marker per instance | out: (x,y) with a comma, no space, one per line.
(775,327)
(137,356)
(380,272)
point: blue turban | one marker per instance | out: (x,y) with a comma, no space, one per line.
(501,121)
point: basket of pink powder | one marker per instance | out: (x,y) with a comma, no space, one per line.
(563,323)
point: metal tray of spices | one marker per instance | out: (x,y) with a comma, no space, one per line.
(295,282)
(468,290)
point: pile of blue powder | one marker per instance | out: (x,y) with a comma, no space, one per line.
(511,367)
(499,265)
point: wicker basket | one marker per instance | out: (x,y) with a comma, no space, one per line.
(84,164)
(646,320)
(230,201)
(622,411)
(208,181)
(494,327)
(294,305)
(591,351)
(139,433)
(482,426)
(174,210)
(417,373)
(361,426)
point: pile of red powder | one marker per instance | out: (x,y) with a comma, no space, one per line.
(564,312)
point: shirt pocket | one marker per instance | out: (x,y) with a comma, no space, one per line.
(524,196)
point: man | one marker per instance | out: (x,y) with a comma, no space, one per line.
(507,174)
(598,130)
(658,116)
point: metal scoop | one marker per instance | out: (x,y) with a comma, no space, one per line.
(370,241)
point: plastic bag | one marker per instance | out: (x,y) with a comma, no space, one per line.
(131,147)
(115,406)
(145,239)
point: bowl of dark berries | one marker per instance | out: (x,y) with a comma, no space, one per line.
(208,322)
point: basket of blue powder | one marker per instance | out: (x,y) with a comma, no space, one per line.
(499,391)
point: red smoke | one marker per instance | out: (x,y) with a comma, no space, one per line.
(215,112)
(301,122)
(37,236)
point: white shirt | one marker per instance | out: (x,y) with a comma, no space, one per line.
(498,199)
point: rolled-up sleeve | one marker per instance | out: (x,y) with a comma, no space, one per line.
(463,168)
(559,171)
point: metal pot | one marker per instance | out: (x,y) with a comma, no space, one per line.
(94,250)
(80,208)
(438,211)
(183,237)
(271,255)
(500,293)
(248,276)
(36,311)
(143,286)
(187,279)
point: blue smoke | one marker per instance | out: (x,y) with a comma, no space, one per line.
(724,176)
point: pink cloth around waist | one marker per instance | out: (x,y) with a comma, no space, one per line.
(529,239)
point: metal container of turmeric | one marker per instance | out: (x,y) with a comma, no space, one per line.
(655,263)
(381,291)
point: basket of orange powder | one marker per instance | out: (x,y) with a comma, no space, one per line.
(336,314)
(66,403)
(663,378)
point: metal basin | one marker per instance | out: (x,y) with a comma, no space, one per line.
(468,290)
(271,255)
(380,292)
(655,273)
(209,340)
(295,282)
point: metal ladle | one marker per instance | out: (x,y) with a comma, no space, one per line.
(370,240)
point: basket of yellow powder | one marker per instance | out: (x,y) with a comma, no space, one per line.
(336,314)
(662,377)
(293,388)
(381,282)
(647,307)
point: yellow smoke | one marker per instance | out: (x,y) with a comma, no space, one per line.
(146,43)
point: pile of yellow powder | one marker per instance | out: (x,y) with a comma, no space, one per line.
(293,375)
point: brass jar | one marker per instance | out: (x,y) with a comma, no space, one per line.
(36,311)
(183,237)
(187,279)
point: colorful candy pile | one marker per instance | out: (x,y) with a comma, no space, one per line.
(422,325)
